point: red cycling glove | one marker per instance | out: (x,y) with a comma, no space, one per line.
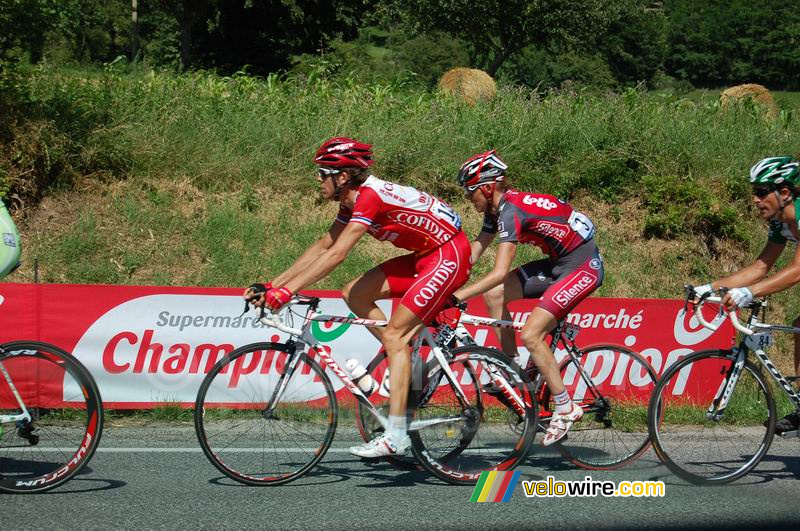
(276,298)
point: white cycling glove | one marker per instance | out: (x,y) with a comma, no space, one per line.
(701,290)
(741,296)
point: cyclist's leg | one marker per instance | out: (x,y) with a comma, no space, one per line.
(438,274)
(575,277)
(362,294)
(791,422)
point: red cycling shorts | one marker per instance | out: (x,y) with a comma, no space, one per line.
(425,282)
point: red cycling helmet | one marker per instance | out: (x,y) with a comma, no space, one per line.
(343,152)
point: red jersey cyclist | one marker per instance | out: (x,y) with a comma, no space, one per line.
(424,279)
(572,271)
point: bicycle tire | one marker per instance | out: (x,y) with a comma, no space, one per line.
(242,439)
(470,440)
(685,426)
(66,417)
(613,431)
(368,426)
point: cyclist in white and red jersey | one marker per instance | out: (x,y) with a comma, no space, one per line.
(439,263)
(774,182)
(573,270)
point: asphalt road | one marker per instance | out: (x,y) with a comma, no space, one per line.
(155,477)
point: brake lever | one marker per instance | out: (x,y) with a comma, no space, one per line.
(688,289)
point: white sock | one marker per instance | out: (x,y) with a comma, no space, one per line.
(396,430)
(562,402)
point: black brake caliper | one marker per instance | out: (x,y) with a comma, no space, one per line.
(25,430)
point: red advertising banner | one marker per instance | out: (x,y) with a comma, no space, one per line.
(147,345)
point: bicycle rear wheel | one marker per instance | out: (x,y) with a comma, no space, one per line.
(613,430)
(456,440)
(252,442)
(700,449)
(66,417)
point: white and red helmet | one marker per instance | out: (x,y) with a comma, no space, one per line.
(343,152)
(481,169)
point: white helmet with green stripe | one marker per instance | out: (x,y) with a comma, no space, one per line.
(775,171)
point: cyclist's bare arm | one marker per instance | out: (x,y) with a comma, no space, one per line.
(329,259)
(310,255)
(480,244)
(506,252)
(783,279)
(754,272)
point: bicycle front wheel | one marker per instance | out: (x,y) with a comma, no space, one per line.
(265,414)
(51,425)
(697,445)
(613,385)
(461,427)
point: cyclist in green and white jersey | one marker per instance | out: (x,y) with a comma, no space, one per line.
(775,193)
(10,249)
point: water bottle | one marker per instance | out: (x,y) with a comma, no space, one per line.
(360,377)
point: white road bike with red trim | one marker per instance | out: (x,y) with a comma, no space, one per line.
(51,417)
(273,422)
(724,431)
(612,384)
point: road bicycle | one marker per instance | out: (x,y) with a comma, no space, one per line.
(267,412)
(613,385)
(51,417)
(719,410)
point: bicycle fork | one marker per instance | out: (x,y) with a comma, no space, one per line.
(726,387)
(23,417)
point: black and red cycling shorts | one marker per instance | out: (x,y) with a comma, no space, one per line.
(564,282)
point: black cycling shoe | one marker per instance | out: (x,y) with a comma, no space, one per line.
(790,422)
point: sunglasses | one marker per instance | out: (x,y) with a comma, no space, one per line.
(327,172)
(762,191)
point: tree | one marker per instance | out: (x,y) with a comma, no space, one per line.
(723,42)
(499,29)
(24,24)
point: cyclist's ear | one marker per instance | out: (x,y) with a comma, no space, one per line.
(344,178)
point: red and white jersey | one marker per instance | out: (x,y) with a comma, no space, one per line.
(402,215)
(543,220)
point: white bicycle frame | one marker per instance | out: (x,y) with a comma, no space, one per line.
(303,337)
(25,416)
(758,336)
(565,329)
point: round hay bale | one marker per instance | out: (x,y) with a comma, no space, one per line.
(469,84)
(758,94)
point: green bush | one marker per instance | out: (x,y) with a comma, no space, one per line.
(52,130)
(389,57)
(677,206)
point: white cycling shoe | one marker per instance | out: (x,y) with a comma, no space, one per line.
(560,424)
(381,446)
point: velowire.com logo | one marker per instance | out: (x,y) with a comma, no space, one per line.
(495,486)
